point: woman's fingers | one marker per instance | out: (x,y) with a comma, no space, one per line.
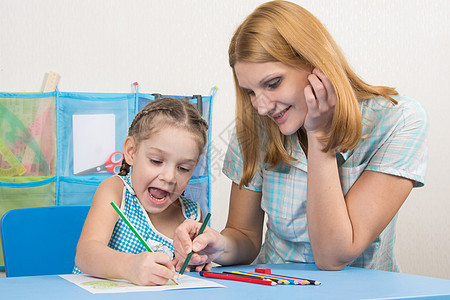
(311,102)
(331,96)
(182,241)
(322,89)
(320,99)
(319,91)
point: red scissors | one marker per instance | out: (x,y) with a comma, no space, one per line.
(112,164)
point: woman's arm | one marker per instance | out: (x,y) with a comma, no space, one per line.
(244,228)
(341,228)
(238,243)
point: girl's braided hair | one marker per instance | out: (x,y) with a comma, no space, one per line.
(164,112)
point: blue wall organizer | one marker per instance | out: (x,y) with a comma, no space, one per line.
(37,146)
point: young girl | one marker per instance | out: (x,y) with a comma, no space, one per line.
(164,144)
(328,157)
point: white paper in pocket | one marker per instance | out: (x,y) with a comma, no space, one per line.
(94,139)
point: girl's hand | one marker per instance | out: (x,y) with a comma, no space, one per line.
(207,246)
(148,268)
(321,100)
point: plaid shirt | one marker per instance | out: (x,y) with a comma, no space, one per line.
(395,142)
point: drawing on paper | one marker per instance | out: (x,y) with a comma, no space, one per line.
(106,284)
(98,285)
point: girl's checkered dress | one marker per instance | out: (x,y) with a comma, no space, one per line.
(123,239)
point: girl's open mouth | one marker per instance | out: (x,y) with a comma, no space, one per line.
(158,196)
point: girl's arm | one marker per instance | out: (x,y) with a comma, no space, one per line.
(341,228)
(238,243)
(93,255)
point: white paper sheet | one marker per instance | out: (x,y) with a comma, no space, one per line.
(94,139)
(96,285)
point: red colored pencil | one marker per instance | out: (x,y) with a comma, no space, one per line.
(236,278)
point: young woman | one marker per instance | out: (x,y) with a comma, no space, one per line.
(328,157)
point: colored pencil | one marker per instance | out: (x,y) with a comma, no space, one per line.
(313,282)
(136,233)
(265,276)
(188,258)
(289,280)
(236,278)
(250,276)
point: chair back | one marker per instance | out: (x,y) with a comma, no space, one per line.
(41,240)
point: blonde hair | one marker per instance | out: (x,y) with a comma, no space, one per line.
(281,31)
(164,112)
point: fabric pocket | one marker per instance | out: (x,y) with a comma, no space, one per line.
(27,135)
(91,127)
(22,192)
(78,191)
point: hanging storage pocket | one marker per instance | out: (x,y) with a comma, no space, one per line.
(91,127)
(27,151)
(26,191)
(27,135)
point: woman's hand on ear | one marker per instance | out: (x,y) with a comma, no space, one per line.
(321,100)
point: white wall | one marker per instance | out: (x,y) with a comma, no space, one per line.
(180,47)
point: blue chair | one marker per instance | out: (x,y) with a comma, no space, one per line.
(41,240)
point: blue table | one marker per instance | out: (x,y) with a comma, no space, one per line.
(350,283)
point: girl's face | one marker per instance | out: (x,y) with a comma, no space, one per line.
(162,166)
(277,91)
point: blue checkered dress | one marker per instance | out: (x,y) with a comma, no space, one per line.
(123,239)
(395,142)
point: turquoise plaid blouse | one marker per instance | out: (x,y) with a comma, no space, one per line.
(395,143)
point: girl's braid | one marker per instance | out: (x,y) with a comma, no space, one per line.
(125,167)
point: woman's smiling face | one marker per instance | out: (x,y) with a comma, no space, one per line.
(276,90)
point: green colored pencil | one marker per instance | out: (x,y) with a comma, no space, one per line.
(136,233)
(188,258)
